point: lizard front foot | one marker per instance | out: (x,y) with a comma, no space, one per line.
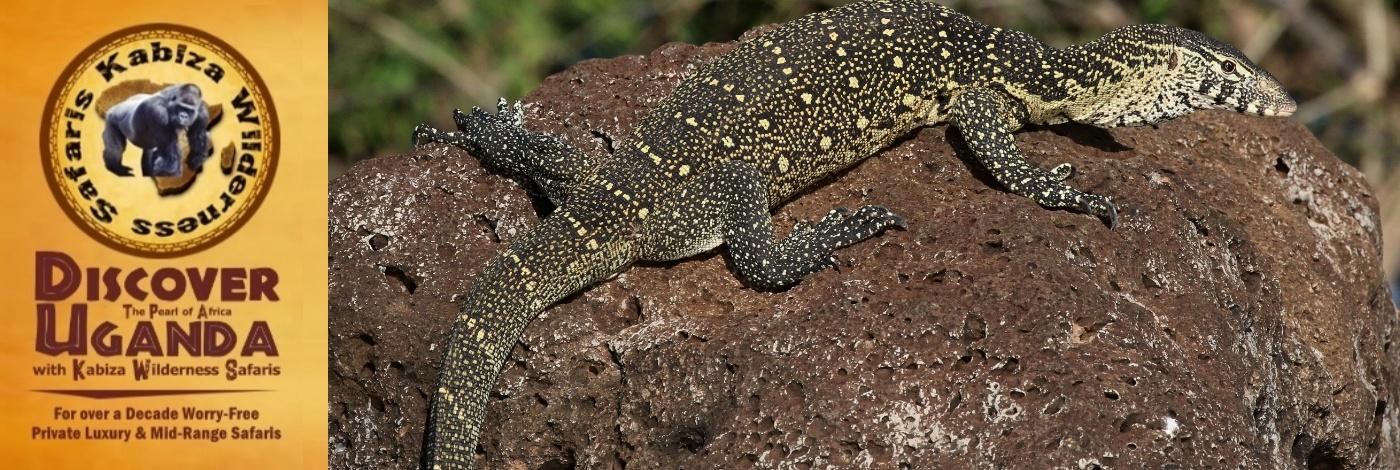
(1099,206)
(508,117)
(425,134)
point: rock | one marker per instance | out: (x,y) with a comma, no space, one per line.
(1236,318)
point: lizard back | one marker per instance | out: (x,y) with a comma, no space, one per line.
(809,97)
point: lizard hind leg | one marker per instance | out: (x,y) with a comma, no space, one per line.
(730,205)
(551,165)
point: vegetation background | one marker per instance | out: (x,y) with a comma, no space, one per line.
(397,63)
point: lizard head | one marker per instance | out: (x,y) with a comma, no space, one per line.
(1201,72)
(1160,72)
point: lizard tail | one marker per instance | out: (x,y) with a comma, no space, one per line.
(550,262)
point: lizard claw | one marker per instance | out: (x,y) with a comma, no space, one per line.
(423,134)
(898,221)
(1101,207)
(460,117)
(465,121)
(512,112)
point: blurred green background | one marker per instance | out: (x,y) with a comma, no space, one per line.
(397,63)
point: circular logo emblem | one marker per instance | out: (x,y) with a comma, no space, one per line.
(159,140)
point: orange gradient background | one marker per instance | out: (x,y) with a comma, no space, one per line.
(286,42)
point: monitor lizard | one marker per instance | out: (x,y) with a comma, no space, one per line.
(779,113)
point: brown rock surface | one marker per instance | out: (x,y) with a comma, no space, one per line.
(1236,318)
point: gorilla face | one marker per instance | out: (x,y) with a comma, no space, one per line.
(186,106)
(184,116)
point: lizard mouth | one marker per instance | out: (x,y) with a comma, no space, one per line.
(1277,107)
(1282,110)
(1276,101)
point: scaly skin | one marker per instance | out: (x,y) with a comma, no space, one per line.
(779,113)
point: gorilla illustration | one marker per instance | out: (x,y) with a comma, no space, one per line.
(153,122)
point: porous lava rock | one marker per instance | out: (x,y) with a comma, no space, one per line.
(1236,317)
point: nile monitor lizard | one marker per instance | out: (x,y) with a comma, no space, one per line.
(778,113)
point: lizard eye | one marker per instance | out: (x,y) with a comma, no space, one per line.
(1228,66)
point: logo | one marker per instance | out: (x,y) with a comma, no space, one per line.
(159,140)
